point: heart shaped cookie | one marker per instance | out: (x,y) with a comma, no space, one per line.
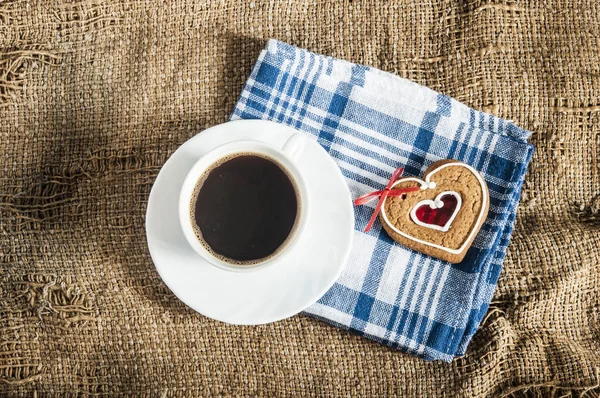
(444,216)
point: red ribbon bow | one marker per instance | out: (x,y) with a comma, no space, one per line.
(388,191)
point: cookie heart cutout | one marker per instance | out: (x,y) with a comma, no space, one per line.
(439,213)
(442,217)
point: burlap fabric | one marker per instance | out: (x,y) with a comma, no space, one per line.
(95,96)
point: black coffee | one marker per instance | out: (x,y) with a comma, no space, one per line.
(244,208)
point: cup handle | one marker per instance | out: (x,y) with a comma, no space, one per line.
(294,146)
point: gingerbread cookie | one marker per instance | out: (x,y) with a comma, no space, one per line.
(443,217)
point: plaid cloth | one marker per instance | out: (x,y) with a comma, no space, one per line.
(371,122)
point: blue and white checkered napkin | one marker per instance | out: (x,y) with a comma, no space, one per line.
(371,122)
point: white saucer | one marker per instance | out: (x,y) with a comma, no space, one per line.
(297,280)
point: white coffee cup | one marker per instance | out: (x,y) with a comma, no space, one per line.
(286,156)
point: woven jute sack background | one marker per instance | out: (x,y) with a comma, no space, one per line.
(95,96)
